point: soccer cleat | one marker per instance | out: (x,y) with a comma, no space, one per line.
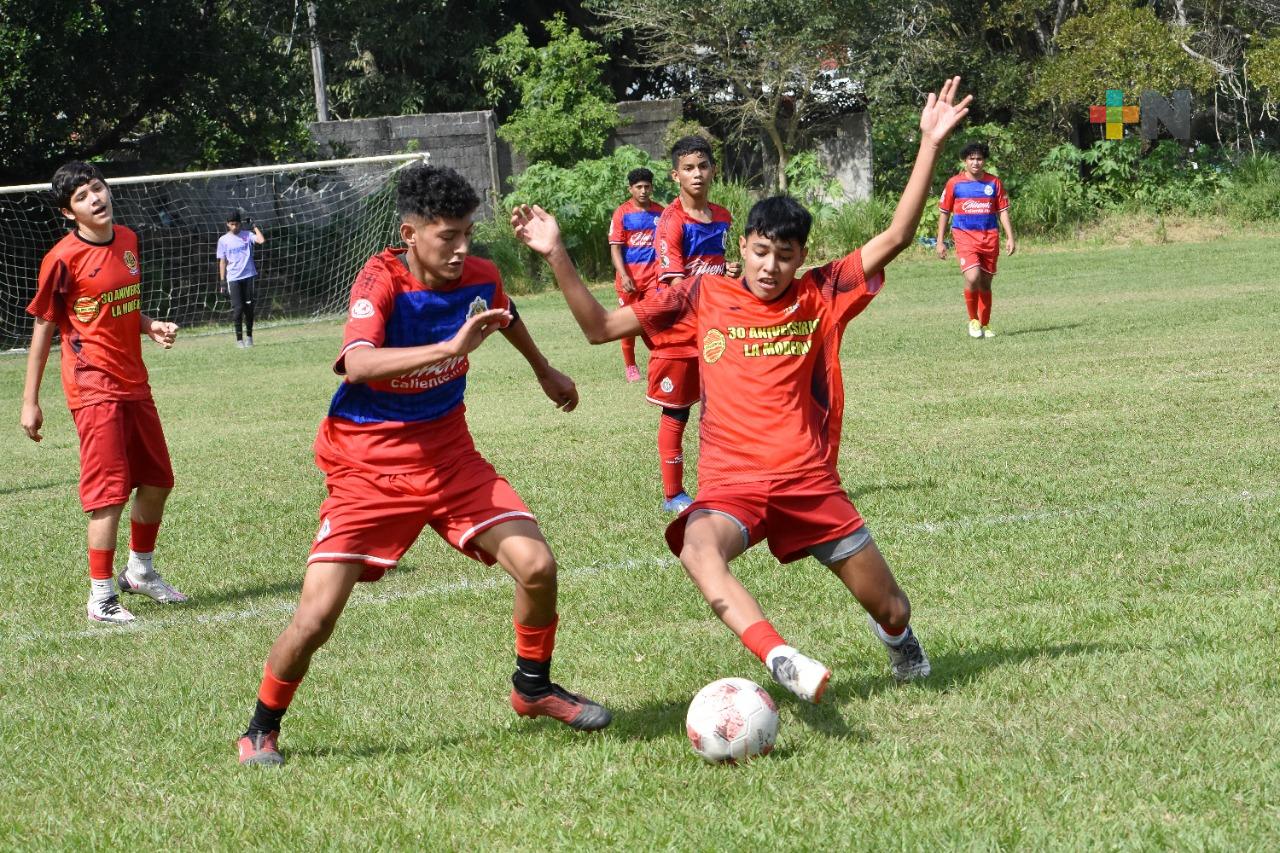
(240,344)
(260,749)
(577,712)
(907,659)
(987,333)
(156,588)
(975,329)
(678,504)
(109,610)
(803,676)
(633,373)
(248,342)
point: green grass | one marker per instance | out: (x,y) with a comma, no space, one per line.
(1083,510)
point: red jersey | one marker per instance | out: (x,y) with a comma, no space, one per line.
(687,247)
(632,227)
(93,291)
(975,207)
(770,370)
(416,421)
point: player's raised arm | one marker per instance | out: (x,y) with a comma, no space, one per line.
(539,230)
(940,116)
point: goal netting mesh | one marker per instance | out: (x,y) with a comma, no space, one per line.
(321,221)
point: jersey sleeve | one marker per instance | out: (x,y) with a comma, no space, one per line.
(222,249)
(1002,199)
(948,201)
(670,244)
(54,283)
(616,234)
(662,309)
(844,284)
(368,310)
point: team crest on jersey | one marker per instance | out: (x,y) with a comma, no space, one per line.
(361,309)
(477,306)
(712,346)
(131,262)
(667,385)
(86,308)
(987,189)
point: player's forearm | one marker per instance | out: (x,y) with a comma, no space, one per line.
(518,335)
(37,358)
(222,270)
(619,264)
(369,364)
(1007,224)
(258,236)
(943,219)
(596,323)
(906,216)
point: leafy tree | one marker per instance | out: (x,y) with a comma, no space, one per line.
(565,111)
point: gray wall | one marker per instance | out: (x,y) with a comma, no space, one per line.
(846,153)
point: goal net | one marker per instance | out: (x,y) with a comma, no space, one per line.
(322,221)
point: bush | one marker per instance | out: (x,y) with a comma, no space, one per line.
(840,230)
(1252,190)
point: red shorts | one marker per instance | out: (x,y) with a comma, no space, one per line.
(121,447)
(673,382)
(983,257)
(374,518)
(625,298)
(792,514)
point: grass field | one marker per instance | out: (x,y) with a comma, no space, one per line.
(1085,512)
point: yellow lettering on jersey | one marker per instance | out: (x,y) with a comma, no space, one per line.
(126,307)
(795,327)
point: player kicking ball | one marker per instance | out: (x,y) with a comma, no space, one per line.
(769,350)
(398,456)
(90,291)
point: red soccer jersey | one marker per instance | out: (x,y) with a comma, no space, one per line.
(687,247)
(975,207)
(93,291)
(632,227)
(770,370)
(416,421)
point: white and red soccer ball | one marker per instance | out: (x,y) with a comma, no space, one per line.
(731,720)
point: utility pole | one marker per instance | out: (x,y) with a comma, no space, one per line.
(317,65)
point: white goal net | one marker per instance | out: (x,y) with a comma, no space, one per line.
(321,220)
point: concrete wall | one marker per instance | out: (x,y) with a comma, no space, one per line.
(846,153)
(644,125)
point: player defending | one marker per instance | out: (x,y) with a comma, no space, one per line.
(397,454)
(972,201)
(769,345)
(90,291)
(631,248)
(238,274)
(691,241)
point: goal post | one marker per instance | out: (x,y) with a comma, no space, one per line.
(321,219)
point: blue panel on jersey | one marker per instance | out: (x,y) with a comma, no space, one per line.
(974,222)
(638,254)
(639,221)
(704,238)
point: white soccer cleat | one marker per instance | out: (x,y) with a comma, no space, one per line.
(975,329)
(803,676)
(987,333)
(907,660)
(155,588)
(109,610)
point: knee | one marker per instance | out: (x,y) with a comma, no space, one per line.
(536,569)
(313,629)
(700,558)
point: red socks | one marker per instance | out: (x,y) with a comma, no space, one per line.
(536,643)
(142,537)
(671,455)
(273,692)
(102,563)
(971,303)
(629,352)
(760,639)
(984,307)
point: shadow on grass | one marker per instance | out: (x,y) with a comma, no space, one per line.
(37,487)
(665,718)
(291,587)
(1037,330)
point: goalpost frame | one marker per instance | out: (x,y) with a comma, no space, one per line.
(244,170)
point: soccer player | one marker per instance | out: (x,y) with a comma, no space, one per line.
(631,248)
(90,291)
(238,274)
(397,454)
(972,201)
(768,343)
(691,241)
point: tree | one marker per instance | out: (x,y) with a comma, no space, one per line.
(565,111)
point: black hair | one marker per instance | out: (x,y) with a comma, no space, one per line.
(71,177)
(434,192)
(233,215)
(975,148)
(687,145)
(640,175)
(779,217)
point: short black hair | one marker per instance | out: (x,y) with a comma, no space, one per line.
(779,217)
(975,148)
(687,145)
(434,192)
(640,175)
(233,215)
(71,177)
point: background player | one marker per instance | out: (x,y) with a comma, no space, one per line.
(972,201)
(397,453)
(631,237)
(691,241)
(90,290)
(238,273)
(767,345)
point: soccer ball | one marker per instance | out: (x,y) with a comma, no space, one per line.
(732,719)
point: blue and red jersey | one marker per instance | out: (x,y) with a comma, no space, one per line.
(413,421)
(974,205)
(633,228)
(688,247)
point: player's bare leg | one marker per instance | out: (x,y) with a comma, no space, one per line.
(104,598)
(521,550)
(140,575)
(973,278)
(325,590)
(711,540)
(867,576)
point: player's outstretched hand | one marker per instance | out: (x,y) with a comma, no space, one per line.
(941,113)
(477,328)
(733,269)
(536,228)
(560,389)
(32,419)
(163,333)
